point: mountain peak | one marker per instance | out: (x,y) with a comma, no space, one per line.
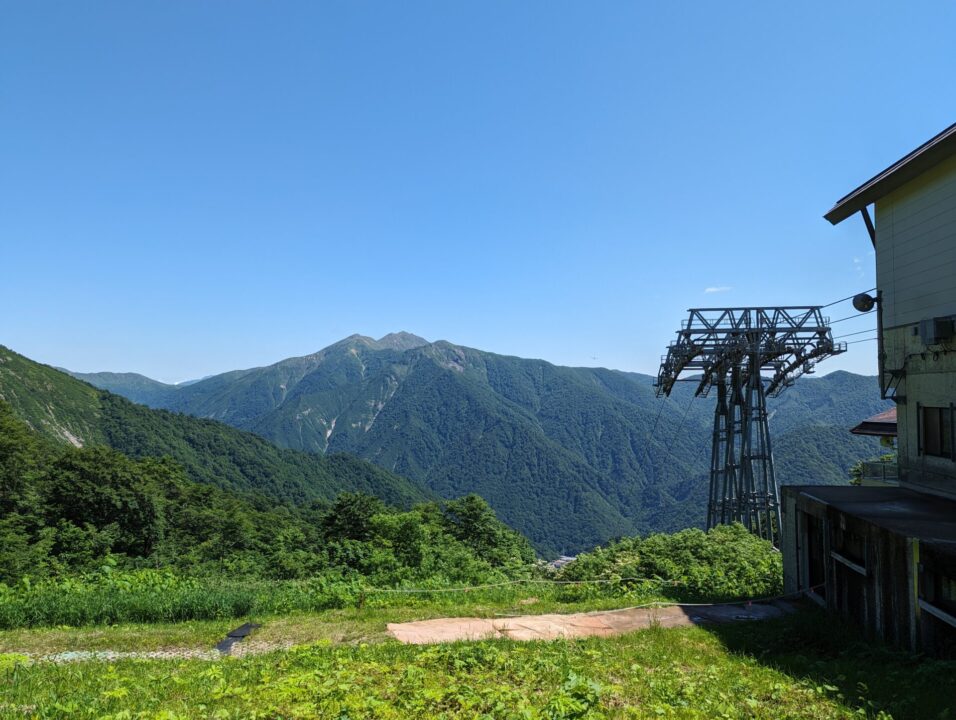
(401,340)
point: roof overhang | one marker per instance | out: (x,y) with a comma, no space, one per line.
(923,158)
(880,425)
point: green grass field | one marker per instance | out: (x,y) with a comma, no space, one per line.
(807,665)
(342,625)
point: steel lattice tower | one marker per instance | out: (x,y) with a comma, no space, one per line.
(748,355)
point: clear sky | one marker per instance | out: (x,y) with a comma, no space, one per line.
(191,187)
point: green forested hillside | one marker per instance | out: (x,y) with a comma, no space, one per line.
(49,401)
(569,456)
(67,510)
(132,386)
(64,408)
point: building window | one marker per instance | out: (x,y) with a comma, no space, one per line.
(937,431)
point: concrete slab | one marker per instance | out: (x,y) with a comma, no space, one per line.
(443,630)
(576,625)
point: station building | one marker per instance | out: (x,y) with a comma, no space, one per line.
(884,553)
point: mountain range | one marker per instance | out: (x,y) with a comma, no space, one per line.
(568,456)
(65,409)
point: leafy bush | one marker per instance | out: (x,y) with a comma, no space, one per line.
(725,563)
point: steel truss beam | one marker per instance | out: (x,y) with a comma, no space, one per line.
(747,354)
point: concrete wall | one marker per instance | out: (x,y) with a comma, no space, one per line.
(930,380)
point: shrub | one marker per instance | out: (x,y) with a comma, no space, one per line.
(725,563)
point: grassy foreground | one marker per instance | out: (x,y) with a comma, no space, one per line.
(342,625)
(803,666)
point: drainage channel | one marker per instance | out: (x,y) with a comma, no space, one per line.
(237,635)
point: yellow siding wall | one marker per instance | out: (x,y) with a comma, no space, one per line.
(916,247)
(916,272)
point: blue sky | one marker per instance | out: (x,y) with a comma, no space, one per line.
(191,187)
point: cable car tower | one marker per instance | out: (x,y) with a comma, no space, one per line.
(747,354)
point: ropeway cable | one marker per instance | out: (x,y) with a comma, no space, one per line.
(850,317)
(848,297)
(859,332)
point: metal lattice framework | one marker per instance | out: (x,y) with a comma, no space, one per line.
(747,354)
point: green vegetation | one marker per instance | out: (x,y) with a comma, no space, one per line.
(88,535)
(65,409)
(164,531)
(568,456)
(364,622)
(726,563)
(148,596)
(803,666)
(217,454)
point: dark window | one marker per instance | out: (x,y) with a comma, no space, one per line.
(940,590)
(816,572)
(851,546)
(937,431)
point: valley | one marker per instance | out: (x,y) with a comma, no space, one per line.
(132,538)
(542,443)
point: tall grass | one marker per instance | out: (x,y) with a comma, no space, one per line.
(727,563)
(146,596)
(161,596)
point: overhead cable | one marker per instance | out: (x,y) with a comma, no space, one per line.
(858,332)
(850,317)
(848,297)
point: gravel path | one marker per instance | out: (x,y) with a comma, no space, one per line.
(110,655)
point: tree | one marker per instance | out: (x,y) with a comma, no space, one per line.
(99,487)
(350,517)
(472,521)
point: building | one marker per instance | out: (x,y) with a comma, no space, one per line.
(882,472)
(885,556)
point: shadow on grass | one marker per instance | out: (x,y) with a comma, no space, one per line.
(839,661)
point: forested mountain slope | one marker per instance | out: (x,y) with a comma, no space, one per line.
(132,386)
(569,456)
(66,409)
(66,510)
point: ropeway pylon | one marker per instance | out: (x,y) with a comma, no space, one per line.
(748,355)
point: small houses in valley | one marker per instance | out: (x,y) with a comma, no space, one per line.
(884,554)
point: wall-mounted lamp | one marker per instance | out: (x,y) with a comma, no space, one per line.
(863,302)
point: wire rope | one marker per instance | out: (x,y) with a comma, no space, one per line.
(859,332)
(848,297)
(850,317)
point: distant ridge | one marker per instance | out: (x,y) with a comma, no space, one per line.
(70,411)
(132,386)
(569,456)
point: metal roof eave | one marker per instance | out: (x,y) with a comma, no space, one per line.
(930,153)
(880,425)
